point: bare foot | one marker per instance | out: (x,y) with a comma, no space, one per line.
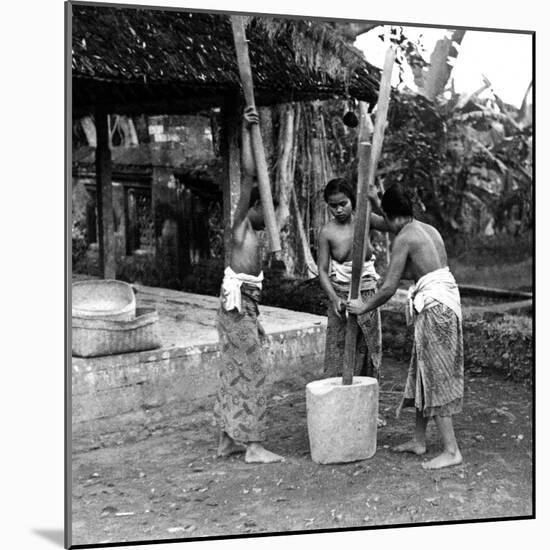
(229,446)
(256,453)
(411,446)
(443,460)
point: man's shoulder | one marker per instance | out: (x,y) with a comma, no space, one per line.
(416,234)
(422,232)
(406,234)
(430,229)
(405,237)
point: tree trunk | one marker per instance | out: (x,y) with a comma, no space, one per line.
(88,128)
(310,267)
(326,167)
(293,172)
(141,125)
(307,266)
(319,173)
(128,131)
(284,183)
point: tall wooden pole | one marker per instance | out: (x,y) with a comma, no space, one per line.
(243,60)
(366,173)
(104,188)
(232,167)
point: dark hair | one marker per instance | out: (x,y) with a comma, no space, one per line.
(397,201)
(339,185)
(255,197)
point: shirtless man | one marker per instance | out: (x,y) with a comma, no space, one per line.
(435,382)
(241,404)
(334,263)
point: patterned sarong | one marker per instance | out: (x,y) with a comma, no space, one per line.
(435,382)
(240,408)
(368,352)
(368,355)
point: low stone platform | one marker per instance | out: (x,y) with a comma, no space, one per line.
(120,398)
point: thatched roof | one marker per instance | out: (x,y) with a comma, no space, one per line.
(159,61)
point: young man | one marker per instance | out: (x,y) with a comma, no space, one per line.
(241,403)
(435,382)
(334,263)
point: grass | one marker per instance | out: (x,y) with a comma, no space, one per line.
(516,276)
(500,261)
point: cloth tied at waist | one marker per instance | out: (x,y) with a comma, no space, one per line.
(231,287)
(340,274)
(436,286)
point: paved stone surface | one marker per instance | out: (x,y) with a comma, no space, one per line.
(189,319)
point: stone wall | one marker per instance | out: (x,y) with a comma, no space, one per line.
(123,398)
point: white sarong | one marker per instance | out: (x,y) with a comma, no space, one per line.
(231,287)
(436,286)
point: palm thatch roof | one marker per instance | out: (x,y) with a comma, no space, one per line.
(151,60)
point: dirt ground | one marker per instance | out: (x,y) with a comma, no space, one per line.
(171,486)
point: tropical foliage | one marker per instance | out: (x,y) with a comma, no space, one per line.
(469,158)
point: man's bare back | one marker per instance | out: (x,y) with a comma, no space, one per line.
(426,250)
(418,249)
(248,216)
(245,257)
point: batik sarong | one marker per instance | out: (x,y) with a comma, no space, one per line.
(240,408)
(435,381)
(368,353)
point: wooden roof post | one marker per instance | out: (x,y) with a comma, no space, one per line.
(105,195)
(361,227)
(230,149)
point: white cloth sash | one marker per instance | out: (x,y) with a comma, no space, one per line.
(340,273)
(436,286)
(231,287)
